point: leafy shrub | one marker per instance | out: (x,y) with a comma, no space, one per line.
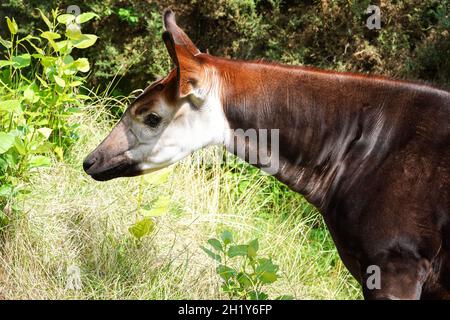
(39,90)
(413,41)
(244,274)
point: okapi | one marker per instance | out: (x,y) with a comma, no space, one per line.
(371,153)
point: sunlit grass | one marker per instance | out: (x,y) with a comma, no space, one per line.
(69,219)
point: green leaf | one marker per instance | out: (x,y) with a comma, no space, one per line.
(49,35)
(7,44)
(226,273)
(6,142)
(73,32)
(82,64)
(30,95)
(238,250)
(226,237)
(45,132)
(22,61)
(12,25)
(10,106)
(46,20)
(267,277)
(60,81)
(20,146)
(256,295)
(85,17)
(142,228)
(211,254)
(85,41)
(5,63)
(160,207)
(266,271)
(59,153)
(66,18)
(39,161)
(215,244)
(266,265)
(253,247)
(244,279)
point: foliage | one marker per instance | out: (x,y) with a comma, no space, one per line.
(39,90)
(413,41)
(244,274)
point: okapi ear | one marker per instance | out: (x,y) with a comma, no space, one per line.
(182,52)
(179,37)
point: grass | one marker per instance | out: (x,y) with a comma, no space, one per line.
(69,219)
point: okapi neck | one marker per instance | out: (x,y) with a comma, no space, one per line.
(330,125)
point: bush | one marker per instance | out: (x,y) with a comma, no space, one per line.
(39,90)
(413,41)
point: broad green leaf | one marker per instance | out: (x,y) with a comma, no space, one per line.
(49,35)
(85,41)
(48,61)
(6,142)
(46,20)
(238,250)
(266,265)
(7,44)
(213,255)
(60,81)
(267,277)
(4,63)
(20,146)
(244,280)
(30,96)
(76,83)
(39,161)
(142,228)
(22,61)
(253,247)
(45,132)
(215,244)
(66,18)
(10,106)
(42,81)
(73,32)
(82,64)
(63,46)
(12,25)
(158,209)
(225,272)
(59,153)
(256,295)
(85,17)
(226,237)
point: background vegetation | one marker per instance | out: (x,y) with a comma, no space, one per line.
(60,93)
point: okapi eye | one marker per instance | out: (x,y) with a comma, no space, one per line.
(152,120)
(159,87)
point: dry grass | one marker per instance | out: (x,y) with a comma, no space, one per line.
(68,219)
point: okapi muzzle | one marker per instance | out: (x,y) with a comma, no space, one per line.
(371,153)
(111,158)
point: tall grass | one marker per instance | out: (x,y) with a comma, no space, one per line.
(69,219)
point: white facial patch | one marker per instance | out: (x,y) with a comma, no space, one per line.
(191,125)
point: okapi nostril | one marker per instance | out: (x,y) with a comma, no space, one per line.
(88,163)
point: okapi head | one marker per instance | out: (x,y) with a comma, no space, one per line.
(172,117)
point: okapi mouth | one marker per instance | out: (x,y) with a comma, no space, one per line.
(123,169)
